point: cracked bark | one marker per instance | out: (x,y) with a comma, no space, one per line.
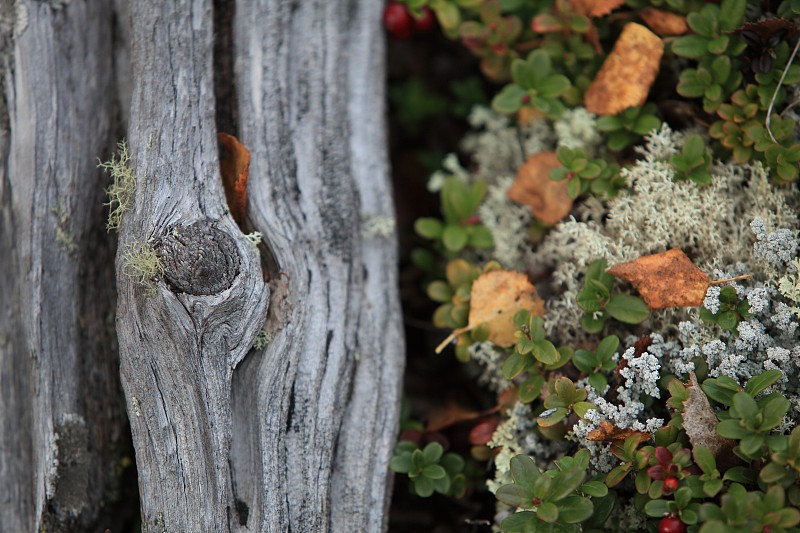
(296,436)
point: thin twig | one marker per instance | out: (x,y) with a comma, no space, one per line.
(736,278)
(778,88)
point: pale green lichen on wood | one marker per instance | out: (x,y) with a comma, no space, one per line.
(123,187)
(261,341)
(63,236)
(142,264)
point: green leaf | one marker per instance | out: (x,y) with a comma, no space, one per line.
(721,69)
(759,383)
(513,495)
(481,237)
(608,123)
(530,389)
(422,486)
(545,352)
(454,238)
(596,489)
(704,459)
(514,365)
(553,86)
(618,140)
(439,291)
(524,471)
(575,509)
(551,417)
(656,508)
(731,13)
(441,485)
(774,410)
(509,99)
(746,407)
(432,453)
(598,382)
(701,24)
(691,46)
(523,74)
(448,15)
(541,64)
(607,348)
(627,309)
(591,324)
(718,45)
(566,482)
(581,408)
(727,320)
(711,488)
(584,360)
(694,148)
(731,429)
(434,472)
(430,228)
(452,463)
(548,512)
(645,124)
(523,522)
(401,463)
(740,474)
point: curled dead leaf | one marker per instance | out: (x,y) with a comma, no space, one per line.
(700,423)
(667,279)
(627,73)
(547,199)
(608,432)
(663,22)
(234,164)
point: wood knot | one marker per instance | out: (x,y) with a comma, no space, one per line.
(198,259)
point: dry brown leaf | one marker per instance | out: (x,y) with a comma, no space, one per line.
(668,279)
(595,8)
(627,73)
(234,164)
(496,297)
(447,416)
(700,423)
(547,199)
(608,432)
(663,22)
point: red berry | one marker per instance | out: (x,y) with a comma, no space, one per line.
(426,21)
(526,99)
(670,485)
(671,524)
(398,21)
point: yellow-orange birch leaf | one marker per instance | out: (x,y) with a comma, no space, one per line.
(627,73)
(495,298)
(547,199)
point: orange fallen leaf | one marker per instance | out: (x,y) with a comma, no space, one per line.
(595,8)
(547,199)
(495,298)
(234,164)
(627,73)
(663,22)
(668,279)
(608,432)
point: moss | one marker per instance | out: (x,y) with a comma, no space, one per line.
(121,191)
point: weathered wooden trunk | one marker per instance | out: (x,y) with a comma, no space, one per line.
(293,436)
